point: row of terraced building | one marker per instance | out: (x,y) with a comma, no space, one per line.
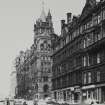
(69,67)
(79,56)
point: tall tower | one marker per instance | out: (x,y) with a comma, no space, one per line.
(43,28)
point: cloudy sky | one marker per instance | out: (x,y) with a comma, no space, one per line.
(17,18)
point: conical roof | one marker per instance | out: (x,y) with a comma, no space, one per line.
(49,13)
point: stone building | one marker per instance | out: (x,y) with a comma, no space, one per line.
(43,38)
(23,74)
(34,67)
(13,86)
(79,56)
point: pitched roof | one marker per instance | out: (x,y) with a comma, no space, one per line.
(88,6)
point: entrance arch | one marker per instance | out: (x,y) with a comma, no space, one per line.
(45,88)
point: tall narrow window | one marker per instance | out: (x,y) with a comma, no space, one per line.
(84,61)
(99,18)
(88,60)
(98,58)
(45,79)
(104,14)
(81,29)
(84,43)
(98,76)
(89,77)
(95,20)
(67,39)
(84,78)
(99,36)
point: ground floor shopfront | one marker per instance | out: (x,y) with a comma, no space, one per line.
(41,95)
(68,95)
(94,92)
(79,94)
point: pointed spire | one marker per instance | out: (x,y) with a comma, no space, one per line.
(43,15)
(43,5)
(49,13)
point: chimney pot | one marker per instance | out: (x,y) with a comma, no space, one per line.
(69,17)
(74,18)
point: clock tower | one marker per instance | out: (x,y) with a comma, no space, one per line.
(43,30)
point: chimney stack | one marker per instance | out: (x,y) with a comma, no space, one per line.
(74,18)
(62,23)
(69,17)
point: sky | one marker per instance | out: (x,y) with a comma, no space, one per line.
(17,18)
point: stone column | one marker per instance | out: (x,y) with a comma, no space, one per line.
(80,95)
(87,94)
(72,97)
(100,94)
(97,94)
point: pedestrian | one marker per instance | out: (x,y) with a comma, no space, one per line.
(92,103)
(8,103)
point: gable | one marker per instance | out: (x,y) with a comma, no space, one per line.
(88,7)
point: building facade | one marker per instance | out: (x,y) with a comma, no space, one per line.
(79,56)
(44,32)
(34,67)
(23,75)
(13,85)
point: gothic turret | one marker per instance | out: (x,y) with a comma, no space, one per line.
(44,24)
(49,14)
(43,30)
(49,18)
